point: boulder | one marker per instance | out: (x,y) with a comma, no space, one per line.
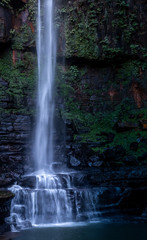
(74,162)
(97,164)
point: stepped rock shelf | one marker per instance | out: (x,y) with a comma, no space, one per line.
(46,199)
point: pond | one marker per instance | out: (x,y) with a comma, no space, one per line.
(94,231)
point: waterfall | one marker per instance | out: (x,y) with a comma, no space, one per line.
(53,198)
(46,51)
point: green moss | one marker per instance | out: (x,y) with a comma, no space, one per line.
(96,127)
(107,51)
(20,79)
(102,124)
(99,29)
(80,29)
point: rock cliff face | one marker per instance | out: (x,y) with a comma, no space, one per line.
(5,23)
(101,92)
(17,87)
(101,29)
(102,81)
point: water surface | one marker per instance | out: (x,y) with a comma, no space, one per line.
(98,231)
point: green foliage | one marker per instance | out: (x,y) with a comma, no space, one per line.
(92,30)
(122,4)
(31,5)
(127,23)
(5,3)
(81,35)
(127,72)
(108,51)
(102,124)
(20,80)
(32,8)
(96,127)
(22,39)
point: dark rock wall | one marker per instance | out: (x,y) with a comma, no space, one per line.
(101,29)
(5,24)
(100,82)
(17,88)
(15,138)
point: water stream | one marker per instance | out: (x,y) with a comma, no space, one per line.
(46,52)
(53,198)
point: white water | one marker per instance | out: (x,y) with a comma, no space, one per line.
(52,199)
(46,51)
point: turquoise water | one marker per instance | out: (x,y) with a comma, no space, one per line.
(98,231)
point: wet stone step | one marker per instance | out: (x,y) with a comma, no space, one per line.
(5,201)
(46,181)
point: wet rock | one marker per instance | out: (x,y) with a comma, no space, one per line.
(28,181)
(94,158)
(95,161)
(4,227)
(130,160)
(5,201)
(90,164)
(14,141)
(74,162)
(97,164)
(114,154)
(133,199)
(125,126)
(6,24)
(5,181)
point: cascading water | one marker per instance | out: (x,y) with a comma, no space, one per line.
(53,198)
(46,50)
